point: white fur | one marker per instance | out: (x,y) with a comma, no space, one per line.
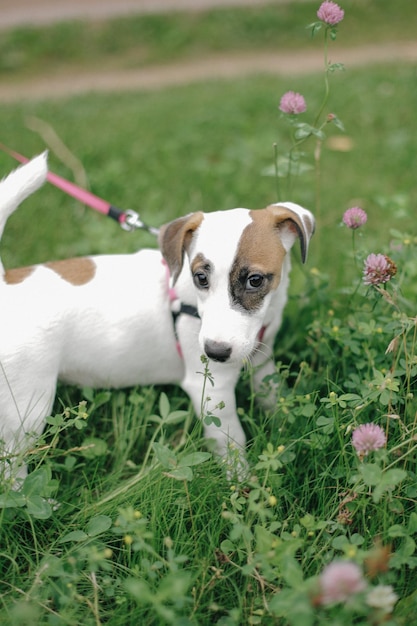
(116,330)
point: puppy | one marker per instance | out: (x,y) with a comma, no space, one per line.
(217,287)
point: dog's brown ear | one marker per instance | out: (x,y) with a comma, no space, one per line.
(174,239)
(293,221)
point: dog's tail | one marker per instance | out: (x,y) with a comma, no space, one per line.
(18,185)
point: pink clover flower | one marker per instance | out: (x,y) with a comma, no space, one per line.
(355,217)
(293,103)
(330,13)
(339,581)
(367,438)
(378,269)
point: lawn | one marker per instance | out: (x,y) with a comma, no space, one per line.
(131,542)
(149,39)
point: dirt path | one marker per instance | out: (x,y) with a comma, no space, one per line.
(36,12)
(213,67)
(14,12)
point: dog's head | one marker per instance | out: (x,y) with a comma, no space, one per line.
(237,260)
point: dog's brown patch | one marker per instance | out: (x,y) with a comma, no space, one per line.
(175,238)
(260,251)
(302,226)
(77,271)
(199,262)
(17,275)
(261,246)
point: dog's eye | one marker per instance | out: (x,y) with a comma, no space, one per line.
(255,281)
(201,280)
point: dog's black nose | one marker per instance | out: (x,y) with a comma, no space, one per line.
(217,350)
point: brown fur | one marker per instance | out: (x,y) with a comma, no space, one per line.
(261,252)
(199,262)
(18,275)
(78,271)
(260,247)
(174,239)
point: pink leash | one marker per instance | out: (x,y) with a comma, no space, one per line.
(128,220)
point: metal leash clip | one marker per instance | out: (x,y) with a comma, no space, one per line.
(132,221)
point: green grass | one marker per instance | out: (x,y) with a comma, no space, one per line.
(206,147)
(133,544)
(139,40)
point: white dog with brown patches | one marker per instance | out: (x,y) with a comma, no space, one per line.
(108,321)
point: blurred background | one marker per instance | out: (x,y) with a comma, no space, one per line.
(167,107)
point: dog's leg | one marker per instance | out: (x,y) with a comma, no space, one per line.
(25,400)
(211,387)
(211,390)
(263,366)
